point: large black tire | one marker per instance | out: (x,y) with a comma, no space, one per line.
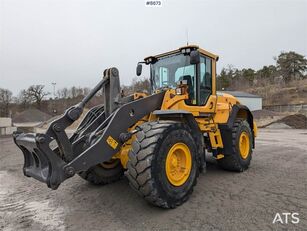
(146,169)
(101,174)
(234,161)
(105,173)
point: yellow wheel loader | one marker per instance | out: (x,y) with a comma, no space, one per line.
(157,139)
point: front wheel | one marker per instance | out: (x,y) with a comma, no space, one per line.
(241,155)
(162,165)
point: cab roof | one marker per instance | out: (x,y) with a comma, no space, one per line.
(192,47)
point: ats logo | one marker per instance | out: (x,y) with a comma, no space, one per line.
(286,218)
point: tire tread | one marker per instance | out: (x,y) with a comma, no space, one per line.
(139,163)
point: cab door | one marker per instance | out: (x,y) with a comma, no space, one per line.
(206,97)
(205,80)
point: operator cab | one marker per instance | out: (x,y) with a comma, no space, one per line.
(190,63)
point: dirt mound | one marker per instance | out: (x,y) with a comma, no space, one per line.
(264,113)
(298,121)
(31,115)
(278,126)
(46,124)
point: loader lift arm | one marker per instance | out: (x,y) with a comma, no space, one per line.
(53,166)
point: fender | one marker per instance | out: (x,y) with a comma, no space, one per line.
(190,120)
(238,111)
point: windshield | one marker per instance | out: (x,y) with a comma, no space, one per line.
(170,69)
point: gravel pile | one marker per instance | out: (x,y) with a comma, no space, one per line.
(31,115)
(297,121)
(46,124)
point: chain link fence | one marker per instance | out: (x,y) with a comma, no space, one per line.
(294,108)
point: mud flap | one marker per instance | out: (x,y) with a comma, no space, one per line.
(40,162)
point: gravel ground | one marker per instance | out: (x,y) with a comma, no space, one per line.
(275,183)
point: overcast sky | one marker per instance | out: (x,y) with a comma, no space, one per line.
(71,42)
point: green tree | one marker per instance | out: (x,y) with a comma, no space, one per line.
(291,65)
(267,73)
(223,80)
(248,74)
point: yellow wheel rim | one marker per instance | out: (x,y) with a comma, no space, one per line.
(244,145)
(110,164)
(178,164)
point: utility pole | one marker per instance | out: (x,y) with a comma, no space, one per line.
(54,83)
(53,101)
(187,34)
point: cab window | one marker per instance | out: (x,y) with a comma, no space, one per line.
(205,79)
(167,71)
(163,72)
(188,73)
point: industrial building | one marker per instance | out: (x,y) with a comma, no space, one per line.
(253,102)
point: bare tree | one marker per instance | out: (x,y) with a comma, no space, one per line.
(37,93)
(86,90)
(5,100)
(79,91)
(24,99)
(141,85)
(73,92)
(63,93)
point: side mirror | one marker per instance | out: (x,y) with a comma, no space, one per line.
(139,69)
(194,57)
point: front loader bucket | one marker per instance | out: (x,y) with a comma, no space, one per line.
(90,143)
(40,162)
(45,164)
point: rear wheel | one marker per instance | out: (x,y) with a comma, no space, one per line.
(104,173)
(241,157)
(162,165)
